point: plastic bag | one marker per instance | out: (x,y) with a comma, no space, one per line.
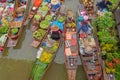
(37,3)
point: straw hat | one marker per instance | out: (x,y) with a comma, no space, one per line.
(70,13)
(55,28)
(54,2)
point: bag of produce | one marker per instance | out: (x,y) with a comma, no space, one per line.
(37,3)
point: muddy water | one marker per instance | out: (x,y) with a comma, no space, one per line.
(58,72)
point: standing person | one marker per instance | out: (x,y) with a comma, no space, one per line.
(103,5)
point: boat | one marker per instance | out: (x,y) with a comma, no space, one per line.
(46,53)
(88,6)
(6,17)
(16,26)
(33,10)
(88,49)
(42,20)
(71,47)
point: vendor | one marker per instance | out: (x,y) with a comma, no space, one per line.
(103,4)
(55,5)
(70,16)
(83,26)
(55,32)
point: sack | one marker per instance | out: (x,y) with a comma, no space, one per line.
(55,35)
(37,3)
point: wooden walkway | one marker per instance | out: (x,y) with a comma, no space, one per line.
(117,17)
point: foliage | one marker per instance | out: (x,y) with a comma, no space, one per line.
(114,4)
(105,21)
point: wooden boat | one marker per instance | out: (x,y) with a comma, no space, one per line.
(71,49)
(89,55)
(6,17)
(41,16)
(88,6)
(16,25)
(41,66)
(33,11)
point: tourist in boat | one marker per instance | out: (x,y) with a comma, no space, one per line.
(103,5)
(54,6)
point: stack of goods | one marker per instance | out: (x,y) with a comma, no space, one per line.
(89,6)
(70,44)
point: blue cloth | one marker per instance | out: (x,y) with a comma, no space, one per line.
(54,7)
(83,28)
(47,1)
(20,18)
(0,22)
(102,4)
(59,24)
(80,18)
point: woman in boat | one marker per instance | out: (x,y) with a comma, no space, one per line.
(103,5)
(83,26)
(55,6)
(55,32)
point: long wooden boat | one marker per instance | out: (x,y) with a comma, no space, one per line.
(45,56)
(89,54)
(71,49)
(16,26)
(6,17)
(33,11)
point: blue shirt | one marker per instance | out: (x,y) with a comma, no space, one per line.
(54,7)
(102,4)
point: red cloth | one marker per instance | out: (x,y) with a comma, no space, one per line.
(1,48)
(82,35)
(37,3)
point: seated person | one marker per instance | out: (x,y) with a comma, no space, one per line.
(55,5)
(84,27)
(103,4)
(70,16)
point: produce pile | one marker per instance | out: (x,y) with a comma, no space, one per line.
(39,34)
(48,17)
(71,25)
(46,57)
(108,39)
(37,17)
(44,24)
(39,70)
(61,18)
(89,6)
(51,49)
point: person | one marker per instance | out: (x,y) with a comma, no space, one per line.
(70,16)
(55,5)
(103,5)
(55,32)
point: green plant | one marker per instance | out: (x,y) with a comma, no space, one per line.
(4,29)
(14,30)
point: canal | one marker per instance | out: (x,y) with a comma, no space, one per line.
(16,63)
